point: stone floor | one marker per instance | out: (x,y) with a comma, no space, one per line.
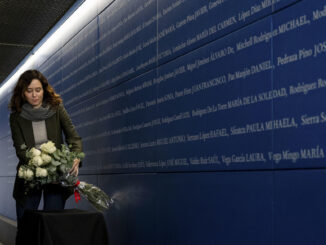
(7,231)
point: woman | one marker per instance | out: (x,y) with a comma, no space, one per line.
(37,117)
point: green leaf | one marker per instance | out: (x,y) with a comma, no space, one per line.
(64,161)
(63,169)
(56,156)
(81,155)
(52,169)
(55,163)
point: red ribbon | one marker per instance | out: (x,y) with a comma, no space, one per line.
(77,194)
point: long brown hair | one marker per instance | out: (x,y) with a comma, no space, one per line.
(18,98)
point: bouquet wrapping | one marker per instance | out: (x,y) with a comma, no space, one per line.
(49,165)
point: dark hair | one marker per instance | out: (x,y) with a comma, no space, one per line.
(18,97)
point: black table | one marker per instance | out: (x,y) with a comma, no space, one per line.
(70,226)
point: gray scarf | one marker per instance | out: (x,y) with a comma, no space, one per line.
(37,114)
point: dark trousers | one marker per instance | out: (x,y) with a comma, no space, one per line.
(52,199)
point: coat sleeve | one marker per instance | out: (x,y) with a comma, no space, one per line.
(71,135)
(18,139)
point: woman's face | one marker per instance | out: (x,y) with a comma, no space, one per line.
(34,93)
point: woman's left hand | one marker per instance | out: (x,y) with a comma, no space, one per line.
(75,167)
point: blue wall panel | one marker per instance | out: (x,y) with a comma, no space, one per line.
(114,122)
(52,70)
(152,110)
(125,47)
(191,208)
(81,73)
(69,64)
(215,208)
(300,207)
(133,217)
(176,100)
(222,123)
(187,25)
(300,71)
(279,4)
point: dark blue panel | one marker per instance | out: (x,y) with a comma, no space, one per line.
(300,214)
(189,132)
(80,65)
(215,208)
(127,44)
(186,25)
(133,217)
(208,102)
(278,4)
(114,123)
(52,70)
(68,64)
(299,57)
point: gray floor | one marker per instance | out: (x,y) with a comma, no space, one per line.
(7,231)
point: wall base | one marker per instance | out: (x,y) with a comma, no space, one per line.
(8,230)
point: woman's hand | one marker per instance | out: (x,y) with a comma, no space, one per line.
(75,167)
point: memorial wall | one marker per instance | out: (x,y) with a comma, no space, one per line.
(183,97)
(143,102)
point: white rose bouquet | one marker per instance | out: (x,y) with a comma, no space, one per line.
(50,165)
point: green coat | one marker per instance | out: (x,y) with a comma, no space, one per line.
(22,133)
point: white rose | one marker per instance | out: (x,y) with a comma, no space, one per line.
(41,172)
(21,172)
(35,152)
(48,147)
(28,175)
(46,158)
(37,161)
